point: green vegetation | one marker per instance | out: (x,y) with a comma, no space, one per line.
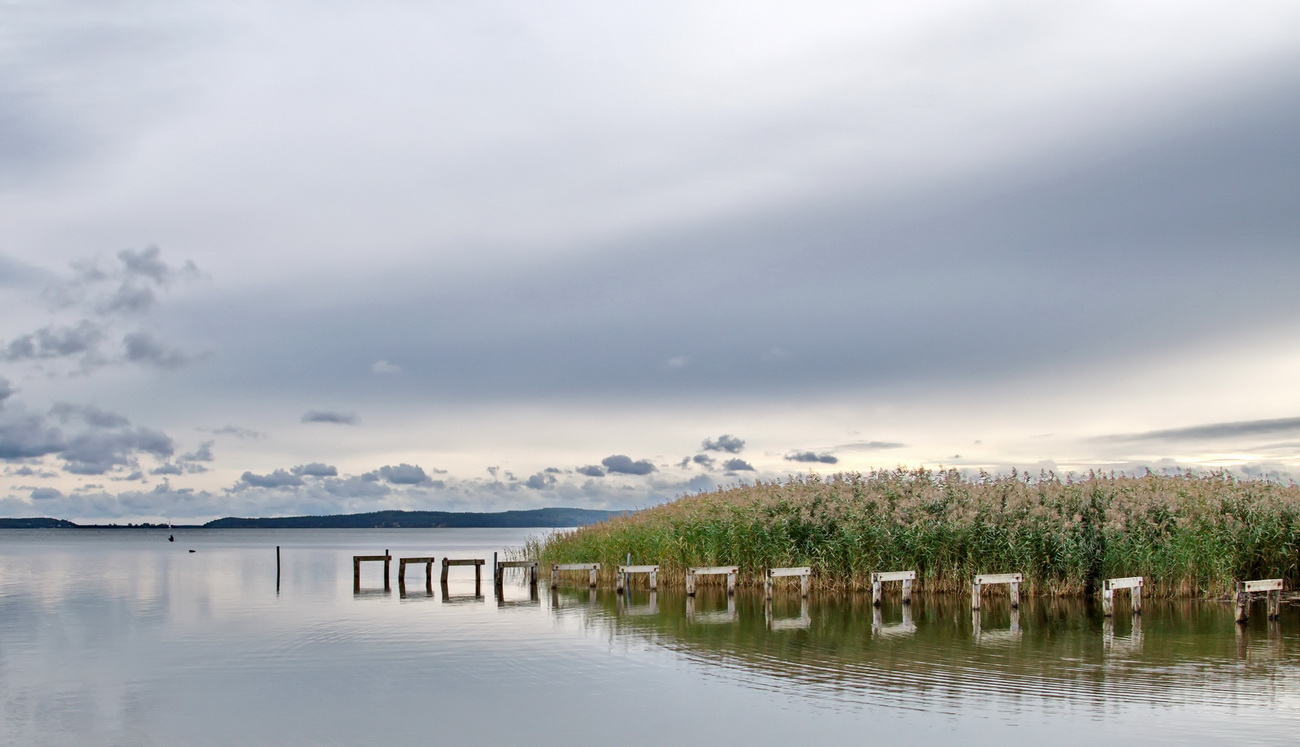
(1187,534)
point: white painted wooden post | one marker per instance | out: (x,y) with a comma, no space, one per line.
(975,599)
(875,590)
(1107,600)
(690,582)
(731,584)
(592,584)
(907,591)
(767,584)
(1015,595)
(803,586)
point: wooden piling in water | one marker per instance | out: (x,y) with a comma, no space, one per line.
(1012,579)
(730,571)
(621,578)
(357,560)
(501,565)
(1272,589)
(401,573)
(1108,587)
(803,572)
(591,568)
(880,578)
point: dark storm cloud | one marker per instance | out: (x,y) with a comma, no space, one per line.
(737,465)
(24,436)
(725,442)
(327,416)
(624,465)
(316,469)
(808,456)
(1212,431)
(591,470)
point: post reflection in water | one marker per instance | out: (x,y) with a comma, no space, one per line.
(711,617)
(533,599)
(803,621)
(879,629)
(1128,645)
(1011,633)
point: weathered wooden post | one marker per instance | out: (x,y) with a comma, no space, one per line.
(357,560)
(731,571)
(623,577)
(1272,588)
(878,580)
(1108,587)
(1012,579)
(591,568)
(803,572)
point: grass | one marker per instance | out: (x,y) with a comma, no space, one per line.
(1188,534)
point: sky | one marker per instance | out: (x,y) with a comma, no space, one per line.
(281,258)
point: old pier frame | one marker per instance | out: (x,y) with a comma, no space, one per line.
(1271,588)
(357,560)
(803,572)
(621,578)
(1011,579)
(499,566)
(1108,587)
(883,577)
(401,572)
(447,563)
(730,571)
(591,568)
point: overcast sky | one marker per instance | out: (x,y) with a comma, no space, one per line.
(266,258)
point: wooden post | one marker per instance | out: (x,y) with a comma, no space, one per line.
(356,573)
(592,583)
(1273,591)
(803,572)
(1108,587)
(975,600)
(277,569)
(388,561)
(690,582)
(879,578)
(1012,579)
(731,584)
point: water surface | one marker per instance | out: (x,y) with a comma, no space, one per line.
(114,637)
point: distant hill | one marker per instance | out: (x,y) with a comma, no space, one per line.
(41,523)
(540,517)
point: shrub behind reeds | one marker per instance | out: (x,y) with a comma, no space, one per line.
(1187,534)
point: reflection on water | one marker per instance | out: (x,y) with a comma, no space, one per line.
(118,638)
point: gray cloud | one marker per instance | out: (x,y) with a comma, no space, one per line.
(55,342)
(1238,429)
(591,470)
(142,347)
(316,469)
(6,390)
(327,416)
(24,436)
(808,456)
(725,442)
(624,465)
(541,481)
(98,452)
(404,474)
(277,479)
(45,494)
(238,432)
(201,454)
(89,414)
(737,465)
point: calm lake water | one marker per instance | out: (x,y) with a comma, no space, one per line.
(118,637)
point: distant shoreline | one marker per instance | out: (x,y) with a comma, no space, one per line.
(540,518)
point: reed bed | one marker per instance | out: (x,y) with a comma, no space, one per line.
(1188,534)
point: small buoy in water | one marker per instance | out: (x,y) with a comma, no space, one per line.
(171,538)
(191,551)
